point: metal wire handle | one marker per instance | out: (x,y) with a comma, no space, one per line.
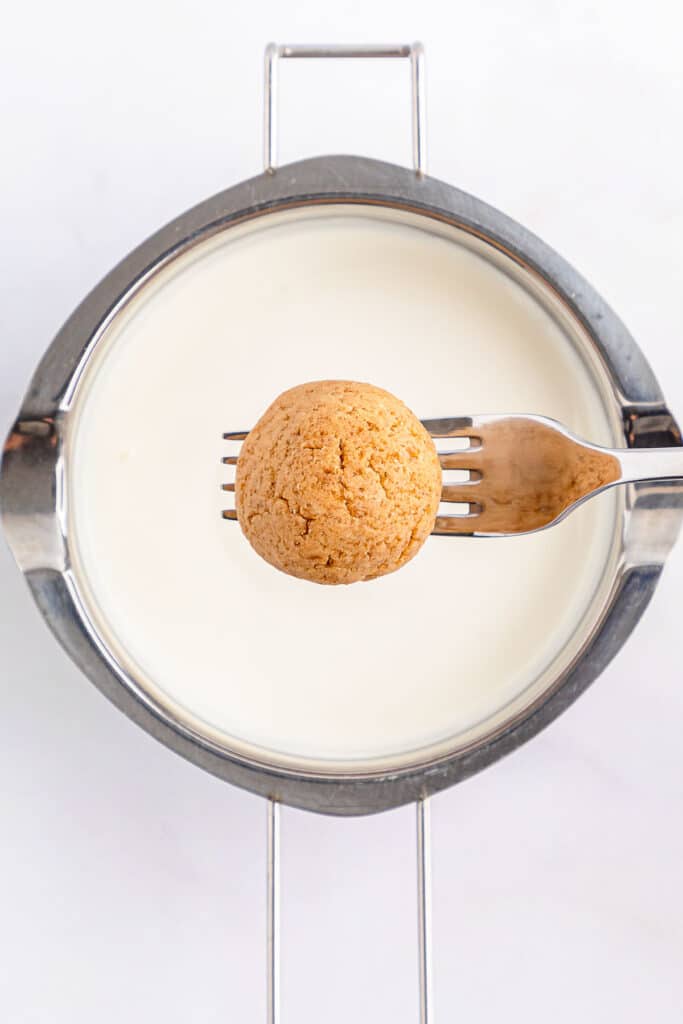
(278,51)
(273,912)
(424,911)
(424,908)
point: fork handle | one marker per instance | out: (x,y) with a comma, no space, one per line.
(649,464)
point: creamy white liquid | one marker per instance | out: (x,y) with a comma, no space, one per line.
(374,670)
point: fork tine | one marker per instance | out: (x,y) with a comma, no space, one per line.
(460,493)
(452,426)
(228,487)
(229,513)
(468,458)
(230,460)
(449,525)
(236,435)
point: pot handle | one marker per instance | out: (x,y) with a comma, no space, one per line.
(424,910)
(279,51)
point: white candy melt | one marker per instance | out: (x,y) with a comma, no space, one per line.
(210,629)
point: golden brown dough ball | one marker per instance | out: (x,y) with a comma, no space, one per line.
(337,482)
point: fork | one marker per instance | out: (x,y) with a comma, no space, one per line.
(523,473)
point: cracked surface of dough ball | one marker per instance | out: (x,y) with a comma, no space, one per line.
(337,482)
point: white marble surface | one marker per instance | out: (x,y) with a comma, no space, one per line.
(131,885)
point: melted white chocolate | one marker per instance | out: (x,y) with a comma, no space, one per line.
(326,673)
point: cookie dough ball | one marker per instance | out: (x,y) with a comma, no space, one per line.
(337,482)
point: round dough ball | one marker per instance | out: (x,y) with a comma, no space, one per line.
(337,482)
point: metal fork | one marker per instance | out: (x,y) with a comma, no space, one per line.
(518,474)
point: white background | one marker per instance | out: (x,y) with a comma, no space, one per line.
(131,884)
